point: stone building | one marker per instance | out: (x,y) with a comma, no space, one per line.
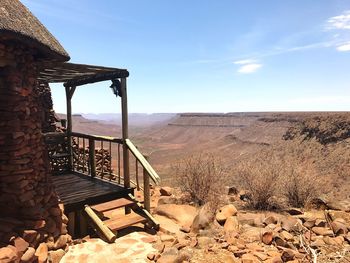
(32,225)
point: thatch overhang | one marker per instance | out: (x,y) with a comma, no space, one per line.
(78,74)
(17,23)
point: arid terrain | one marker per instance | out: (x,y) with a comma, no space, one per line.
(235,137)
(245,188)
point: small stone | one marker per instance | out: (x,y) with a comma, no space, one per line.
(20,244)
(185,229)
(290,224)
(7,255)
(286,235)
(317,243)
(61,241)
(55,256)
(339,228)
(270,220)
(309,223)
(320,223)
(28,256)
(288,255)
(42,253)
(166,191)
(267,238)
(322,231)
(225,212)
(167,238)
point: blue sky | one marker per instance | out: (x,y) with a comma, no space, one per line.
(207,56)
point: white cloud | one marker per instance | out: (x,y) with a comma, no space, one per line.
(344,47)
(339,22)
(244,61)
(249,68)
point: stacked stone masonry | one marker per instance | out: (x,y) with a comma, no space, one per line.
(32,224)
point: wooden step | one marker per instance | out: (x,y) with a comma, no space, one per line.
(125,221)
(115,204)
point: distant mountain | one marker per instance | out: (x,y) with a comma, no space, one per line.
(135,119)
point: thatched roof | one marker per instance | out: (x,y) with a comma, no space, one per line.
(18,23)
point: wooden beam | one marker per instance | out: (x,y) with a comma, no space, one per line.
(83,80)
(71,92)
(145,164)
(125,131)
(103,229)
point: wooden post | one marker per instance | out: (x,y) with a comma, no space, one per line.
(71,224)
(92,159)
(146,189)
(69,95)
(125,136)
(125,130)
(82,224)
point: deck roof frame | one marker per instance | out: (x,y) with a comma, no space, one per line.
(73,75)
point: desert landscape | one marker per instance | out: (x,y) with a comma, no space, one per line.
(251,165)
(275,186)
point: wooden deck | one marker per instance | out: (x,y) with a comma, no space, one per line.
(76,190)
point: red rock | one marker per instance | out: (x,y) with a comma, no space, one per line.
(323,231)
(42,252)
(55,211)
(28,256)
(56,255)
(7,255)
(339,228)
(61,241)
(20,244)
(225,212)
(270,220)
(267,238)
(166,191)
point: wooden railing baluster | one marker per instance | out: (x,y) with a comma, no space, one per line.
(103,160)
(137,174)
(92,159)
(118,163)
(110,161)
(83,168)
(146,189)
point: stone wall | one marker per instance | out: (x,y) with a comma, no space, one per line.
(47,114)
(32,225)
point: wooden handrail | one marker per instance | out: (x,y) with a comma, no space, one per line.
(145,164)
(97,137)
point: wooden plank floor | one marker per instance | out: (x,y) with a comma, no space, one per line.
(76,190)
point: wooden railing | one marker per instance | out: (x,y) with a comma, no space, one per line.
(92,155)
(102,157)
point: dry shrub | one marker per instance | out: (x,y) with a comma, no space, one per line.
(283,174)
(202,177)
(260,175)
(301,182)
